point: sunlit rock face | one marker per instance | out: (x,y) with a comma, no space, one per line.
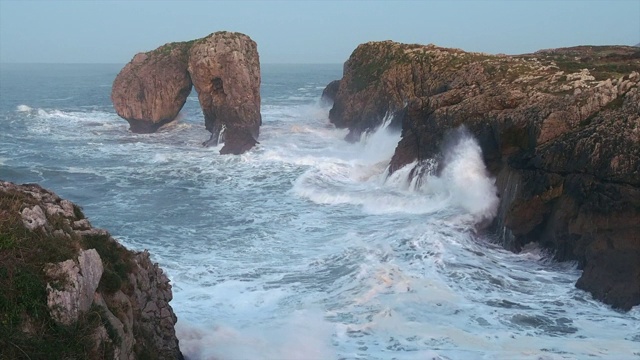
(559,129)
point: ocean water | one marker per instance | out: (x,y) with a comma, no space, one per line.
(302,248)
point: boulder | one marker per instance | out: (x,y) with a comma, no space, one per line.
(152,88)
(225,70)
(559,129)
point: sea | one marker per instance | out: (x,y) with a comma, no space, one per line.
(303,247)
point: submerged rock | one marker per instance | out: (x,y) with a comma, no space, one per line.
(72,291)
(559,129)
(224,67)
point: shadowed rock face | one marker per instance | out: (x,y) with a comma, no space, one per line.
(329,92)
(559,129)
(151,89)
(224,67)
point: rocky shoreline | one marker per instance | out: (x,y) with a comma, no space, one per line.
(559,130)
(72,290)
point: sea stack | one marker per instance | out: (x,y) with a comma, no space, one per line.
(151,89)
(559,130)
(225,70)
(224,67)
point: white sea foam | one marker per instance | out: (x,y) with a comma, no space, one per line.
(301,335)
(465,179)
(303,247)
(23,108)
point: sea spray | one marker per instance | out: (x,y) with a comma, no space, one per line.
(464,176)
(394,271)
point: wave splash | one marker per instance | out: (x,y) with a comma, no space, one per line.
(459,181)
(462,177)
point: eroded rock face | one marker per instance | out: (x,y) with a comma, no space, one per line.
(78,281)
(125,291)
(225,70)
(559,129)
(151,89)
(224,67)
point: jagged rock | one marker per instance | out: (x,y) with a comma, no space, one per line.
(559,129)
(151,89)
(225,70)
(131,311)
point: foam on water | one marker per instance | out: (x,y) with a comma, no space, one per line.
(305,247)
(23,108)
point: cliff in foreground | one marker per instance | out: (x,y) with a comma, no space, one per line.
(71,291)
(559,129)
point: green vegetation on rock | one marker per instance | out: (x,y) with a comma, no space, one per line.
(27,330)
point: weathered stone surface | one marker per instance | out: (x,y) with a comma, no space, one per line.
(33,218)
(79,281)
(151,89)
(560,130)
(225,70)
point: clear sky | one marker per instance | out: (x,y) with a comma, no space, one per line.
(87,31)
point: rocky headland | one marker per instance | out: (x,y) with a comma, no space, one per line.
(71,291)
(559,130)
(224,68)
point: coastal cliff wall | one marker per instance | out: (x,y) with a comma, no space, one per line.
(559,129)
(71,291)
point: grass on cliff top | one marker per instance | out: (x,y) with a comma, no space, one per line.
(27,330)
(603,62)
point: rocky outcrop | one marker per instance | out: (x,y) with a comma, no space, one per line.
(71,290)
(559,129)
(151,89)
(224,67)
(329,92)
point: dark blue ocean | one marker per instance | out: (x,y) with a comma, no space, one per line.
(302,248)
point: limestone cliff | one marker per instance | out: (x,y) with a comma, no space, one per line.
(71,291)
(559,129)
(224,67)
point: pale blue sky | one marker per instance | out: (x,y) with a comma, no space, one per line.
(85,31)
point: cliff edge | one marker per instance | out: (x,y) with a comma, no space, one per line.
(71,291)
(559,130)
